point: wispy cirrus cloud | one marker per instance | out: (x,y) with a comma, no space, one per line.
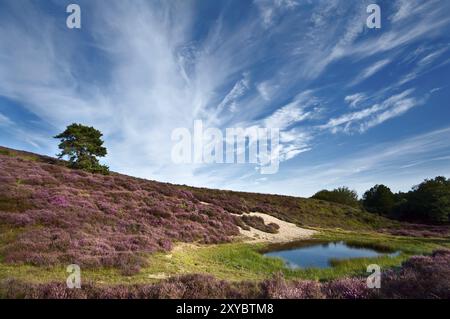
(267,90)
(355,99)
(305,105)
(371,70)
(269,9)
(424,64)
(408,9)
(377,164)
(362,120)
(230,101)
(5,121)
(429,58)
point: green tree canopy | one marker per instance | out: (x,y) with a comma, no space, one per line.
(427,202)
(82,145)
(430,200)
(379,199)
(342,195)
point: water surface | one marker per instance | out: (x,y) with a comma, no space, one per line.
(320,255)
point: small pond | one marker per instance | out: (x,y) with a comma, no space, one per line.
(320,254)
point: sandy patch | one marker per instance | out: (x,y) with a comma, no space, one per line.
(287,232)
(158,276)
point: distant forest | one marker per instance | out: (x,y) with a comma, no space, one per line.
(427,202)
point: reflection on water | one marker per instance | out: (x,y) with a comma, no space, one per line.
(319,255)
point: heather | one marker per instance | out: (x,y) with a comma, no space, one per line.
(419,230)
(71,216)
(258,223)
(122,232)
(61,215)
(419,277)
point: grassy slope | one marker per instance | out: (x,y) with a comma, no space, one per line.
(233,261)
(304,212)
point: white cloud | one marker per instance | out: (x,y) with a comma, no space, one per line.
(434,90)
(380,164)
(4,120)
(293,140)
(293,143)
(301,108)
(371,70)
(266,90)
(410,8)
(431,57)
(408,77)
(399,108)
(269,9)
(230,101)
(146,94)
(355,99)
(369,117)
(423,66)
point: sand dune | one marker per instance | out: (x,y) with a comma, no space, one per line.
(287,231)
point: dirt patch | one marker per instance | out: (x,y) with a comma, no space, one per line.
(158,276)
(287,232)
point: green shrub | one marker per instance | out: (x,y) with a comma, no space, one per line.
(342,195)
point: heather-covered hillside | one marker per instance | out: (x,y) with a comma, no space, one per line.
(50,214)
(121,231)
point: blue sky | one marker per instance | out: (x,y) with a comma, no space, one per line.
(356,106)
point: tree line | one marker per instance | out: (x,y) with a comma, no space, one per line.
(427,202)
